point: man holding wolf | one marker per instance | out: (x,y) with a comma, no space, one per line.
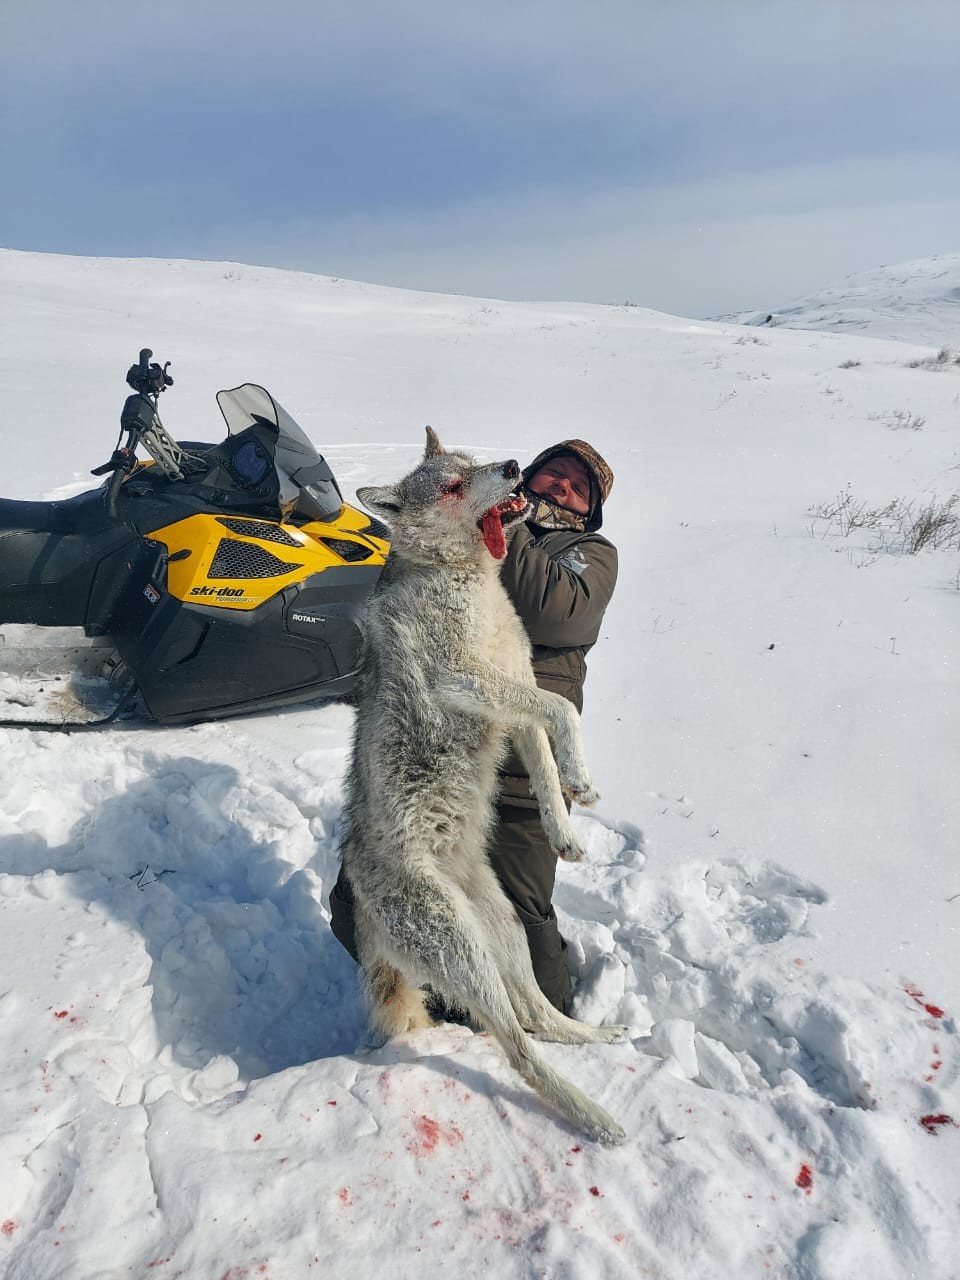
(560,573)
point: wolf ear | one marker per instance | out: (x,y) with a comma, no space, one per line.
(433,444)
(383,501)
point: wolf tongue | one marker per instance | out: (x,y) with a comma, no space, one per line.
(491,526)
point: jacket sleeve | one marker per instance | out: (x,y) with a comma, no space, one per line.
(560,606)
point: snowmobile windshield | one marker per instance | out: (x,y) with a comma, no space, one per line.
(307,484)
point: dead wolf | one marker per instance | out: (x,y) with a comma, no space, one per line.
(446,685)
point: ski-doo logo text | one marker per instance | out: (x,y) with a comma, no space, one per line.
(232,592)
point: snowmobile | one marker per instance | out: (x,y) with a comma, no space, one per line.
(205,581)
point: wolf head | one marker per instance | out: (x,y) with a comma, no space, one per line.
(450,509)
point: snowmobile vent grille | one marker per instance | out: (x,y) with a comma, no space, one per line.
(259,529)
(347,549)
(234,559)
(376,530)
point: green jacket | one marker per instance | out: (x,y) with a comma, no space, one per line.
(560,582)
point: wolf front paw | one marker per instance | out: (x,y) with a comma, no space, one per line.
(575,781)
(577,785)
(560,834)
(563,841)
(585,796)
(573,853)
(569,850)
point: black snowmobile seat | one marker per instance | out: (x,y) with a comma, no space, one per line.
(84,513)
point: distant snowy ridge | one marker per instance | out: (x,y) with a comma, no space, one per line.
(915,301)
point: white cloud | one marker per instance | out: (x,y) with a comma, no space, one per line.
(695,248)
(730,133)
(456,56)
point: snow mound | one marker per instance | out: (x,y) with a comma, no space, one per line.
(915,301)
(189,1057)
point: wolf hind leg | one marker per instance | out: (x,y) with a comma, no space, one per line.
(552,1025)
(395,1006)
(537,1016)
(542,1020)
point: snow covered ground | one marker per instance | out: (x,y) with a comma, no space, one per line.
(772,893)
(909,301)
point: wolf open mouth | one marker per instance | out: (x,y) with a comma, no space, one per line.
(492,523)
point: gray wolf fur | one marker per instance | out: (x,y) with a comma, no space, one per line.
(446,685)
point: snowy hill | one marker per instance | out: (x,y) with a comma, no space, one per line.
(911,302)
(770,898)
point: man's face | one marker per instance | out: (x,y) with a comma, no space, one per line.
(565,481)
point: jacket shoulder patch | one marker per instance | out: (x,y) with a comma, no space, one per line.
(573,560)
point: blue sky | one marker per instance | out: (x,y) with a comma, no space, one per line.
(694,156)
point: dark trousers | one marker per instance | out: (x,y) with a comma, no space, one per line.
(526,867)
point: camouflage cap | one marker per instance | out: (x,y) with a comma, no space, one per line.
(600,473)
(592,460)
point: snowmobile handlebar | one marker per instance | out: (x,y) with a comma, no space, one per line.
(137,417)
(121,464)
